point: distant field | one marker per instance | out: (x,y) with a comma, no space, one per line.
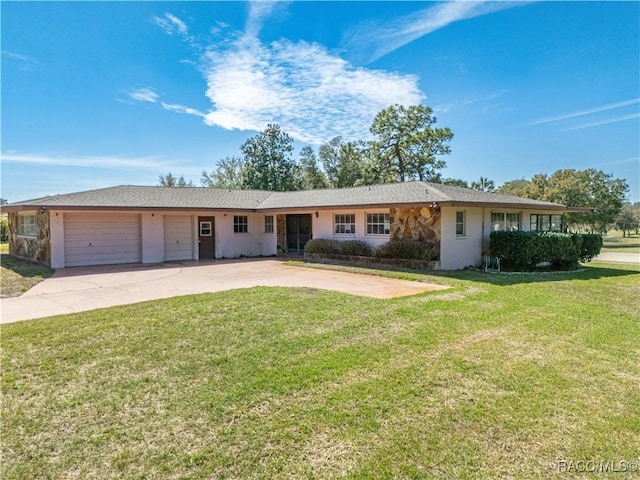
(501,376)
(614,242)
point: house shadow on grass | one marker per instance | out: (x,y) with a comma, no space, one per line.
(586,272)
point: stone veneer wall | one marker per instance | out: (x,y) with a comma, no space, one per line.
(281,225)
(418,223)
(36,248)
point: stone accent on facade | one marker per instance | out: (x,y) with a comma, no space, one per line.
(417,223)
(36,248)
(281,225)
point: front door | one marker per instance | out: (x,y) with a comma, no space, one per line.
(298,233)
(206,236)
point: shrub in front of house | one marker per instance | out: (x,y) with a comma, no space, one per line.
(407,249)
(516,250)
(322,245)
(4,231)
(591,246)
(524,250)
(356,248)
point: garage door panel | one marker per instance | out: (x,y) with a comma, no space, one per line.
(102,239)
(178,238)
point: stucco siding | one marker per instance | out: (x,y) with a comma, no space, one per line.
(254,243)
(460,251)
(323,226)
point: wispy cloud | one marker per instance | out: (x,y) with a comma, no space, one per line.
(590,111)
(23,62)
(258,12)
(171,24)
(181,109)
(371,40)
(311,93)
(604,122)
(116,161)
(144,95)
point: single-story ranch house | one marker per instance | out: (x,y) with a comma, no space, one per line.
(133,224)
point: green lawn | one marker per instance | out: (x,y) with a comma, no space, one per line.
(614,242)
(501,376)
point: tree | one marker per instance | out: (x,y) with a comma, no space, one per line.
(407,143)
(484,184)
(587,188)
(345,163)
(228,173)
(170,181)
(454,182)
(268,162)
(311,176)
(517,188)
(3,201)
(627,220)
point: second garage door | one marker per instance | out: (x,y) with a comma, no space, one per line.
(101,239)
(178,238)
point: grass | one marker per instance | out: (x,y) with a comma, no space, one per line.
(501,376)
(614,242)
(18,275)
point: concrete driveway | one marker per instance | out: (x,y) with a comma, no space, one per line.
(80,289)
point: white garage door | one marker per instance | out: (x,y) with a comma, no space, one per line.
(101,239)
(178,238)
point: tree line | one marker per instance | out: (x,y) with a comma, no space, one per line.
(406,145)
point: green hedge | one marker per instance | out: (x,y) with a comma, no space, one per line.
(407,249)
(591,246)
(356,247)
(4,231)
(524,250)
(321,245)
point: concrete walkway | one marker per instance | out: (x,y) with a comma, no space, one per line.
(80,289)
(616,257)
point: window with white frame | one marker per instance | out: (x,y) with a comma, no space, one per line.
(461,224)
(505,221)
(268,224)
(378,224)
(546,223)
(205,229)
(27,225)
(344,224)
(240,224)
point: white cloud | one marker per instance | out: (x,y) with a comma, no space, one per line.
(144,95)
(115,161)
(370,41)
(311,93)
(171,24)
(581,113)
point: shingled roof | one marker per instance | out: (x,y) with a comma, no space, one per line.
(409,193)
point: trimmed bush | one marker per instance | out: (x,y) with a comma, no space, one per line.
(407,249)
(356,248)
(4,231)
(322,245)
(516,250)
(591,246)
(524,250)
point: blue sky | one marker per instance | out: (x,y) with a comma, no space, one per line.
(96,94)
